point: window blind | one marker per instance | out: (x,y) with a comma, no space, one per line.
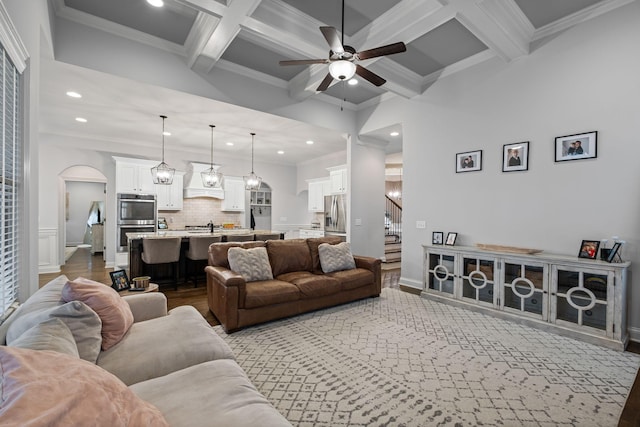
(10,181)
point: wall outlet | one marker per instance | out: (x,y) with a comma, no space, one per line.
(358,221)
(421,224)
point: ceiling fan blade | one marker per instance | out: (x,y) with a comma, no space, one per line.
(389,49)
(303,61)
(331,35)
(325,83)
(370,76)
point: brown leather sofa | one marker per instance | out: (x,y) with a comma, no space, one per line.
(299,285)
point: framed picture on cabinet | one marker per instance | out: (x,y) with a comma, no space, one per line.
(437,238)
(469,161)
(613,251)
(589,249)
(451,239)
(515,157)
(576,147)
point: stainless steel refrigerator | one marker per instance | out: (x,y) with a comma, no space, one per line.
(335,213)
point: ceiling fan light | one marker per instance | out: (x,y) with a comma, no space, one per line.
(342,69)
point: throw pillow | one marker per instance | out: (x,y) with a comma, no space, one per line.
(336,257)
(252,264)
(114,311)
(49,388)
(84,323)
(52,335)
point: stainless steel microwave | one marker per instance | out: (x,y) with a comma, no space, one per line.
(136,209)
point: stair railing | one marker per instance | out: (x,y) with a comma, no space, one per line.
(393,219)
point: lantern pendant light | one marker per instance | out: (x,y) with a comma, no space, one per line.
(162,174)
(252,181)
(211,178)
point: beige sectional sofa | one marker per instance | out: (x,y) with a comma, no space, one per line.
(173,361)
(298,283)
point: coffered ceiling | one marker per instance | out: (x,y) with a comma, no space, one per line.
(250,37)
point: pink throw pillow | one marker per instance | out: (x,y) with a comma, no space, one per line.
(49,388)
(114,311)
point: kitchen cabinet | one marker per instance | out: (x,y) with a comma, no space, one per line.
(338,179)
(318,188)
(581,298)
(261,198)
(170,196)
(234,194)
(134,176)
(97,238)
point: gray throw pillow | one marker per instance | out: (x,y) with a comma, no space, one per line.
(336,257)
(84,323)
(252,264)
(51,334)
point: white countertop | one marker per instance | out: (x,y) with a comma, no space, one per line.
(189,233)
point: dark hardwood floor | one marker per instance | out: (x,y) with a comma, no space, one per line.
(82,263)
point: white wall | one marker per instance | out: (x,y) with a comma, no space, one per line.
(580,80)
(81,197)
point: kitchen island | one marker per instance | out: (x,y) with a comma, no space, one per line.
(138,268)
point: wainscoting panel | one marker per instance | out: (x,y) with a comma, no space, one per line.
(48,250)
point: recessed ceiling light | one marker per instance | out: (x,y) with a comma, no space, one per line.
(394,133)
(73,94)
(165,133)
(156,3)
(353,82)
(309,142)
(280,152)
(230,144)
(81,120)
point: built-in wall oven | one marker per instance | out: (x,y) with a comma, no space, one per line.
(137,213)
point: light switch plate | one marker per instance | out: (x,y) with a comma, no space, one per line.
(421,224)
(358,221)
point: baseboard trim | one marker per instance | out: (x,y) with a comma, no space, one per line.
(410,290)
(49,269)
(410,283)
(634,334)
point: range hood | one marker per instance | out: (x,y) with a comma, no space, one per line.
(194,187)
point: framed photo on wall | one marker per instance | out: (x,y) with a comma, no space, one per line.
(515,157)
(577,147)
(589,249)
(437,238)
(119,280)
(469,161)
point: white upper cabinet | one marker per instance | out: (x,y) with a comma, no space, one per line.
(338,179)
(317,190)
(234,194)
(134,176)
(170,196)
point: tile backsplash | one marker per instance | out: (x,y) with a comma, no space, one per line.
(199,211)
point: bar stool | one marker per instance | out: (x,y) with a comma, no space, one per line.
(239,237)
(199,251)
(165,250)
(269,236)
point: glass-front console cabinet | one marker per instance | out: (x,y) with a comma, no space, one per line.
(581,298)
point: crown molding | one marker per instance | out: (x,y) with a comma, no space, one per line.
(459,66)
(12,42)
(515,26)
(579,17)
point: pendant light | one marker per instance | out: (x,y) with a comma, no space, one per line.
(162,174)
(211,178)
(252,181)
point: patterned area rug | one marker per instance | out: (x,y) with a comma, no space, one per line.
(402,360)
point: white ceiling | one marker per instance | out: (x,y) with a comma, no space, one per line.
(252,36)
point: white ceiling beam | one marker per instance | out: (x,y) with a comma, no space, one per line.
(499,24)
(201,32)
(214,37)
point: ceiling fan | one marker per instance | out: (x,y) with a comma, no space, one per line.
(342,59)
